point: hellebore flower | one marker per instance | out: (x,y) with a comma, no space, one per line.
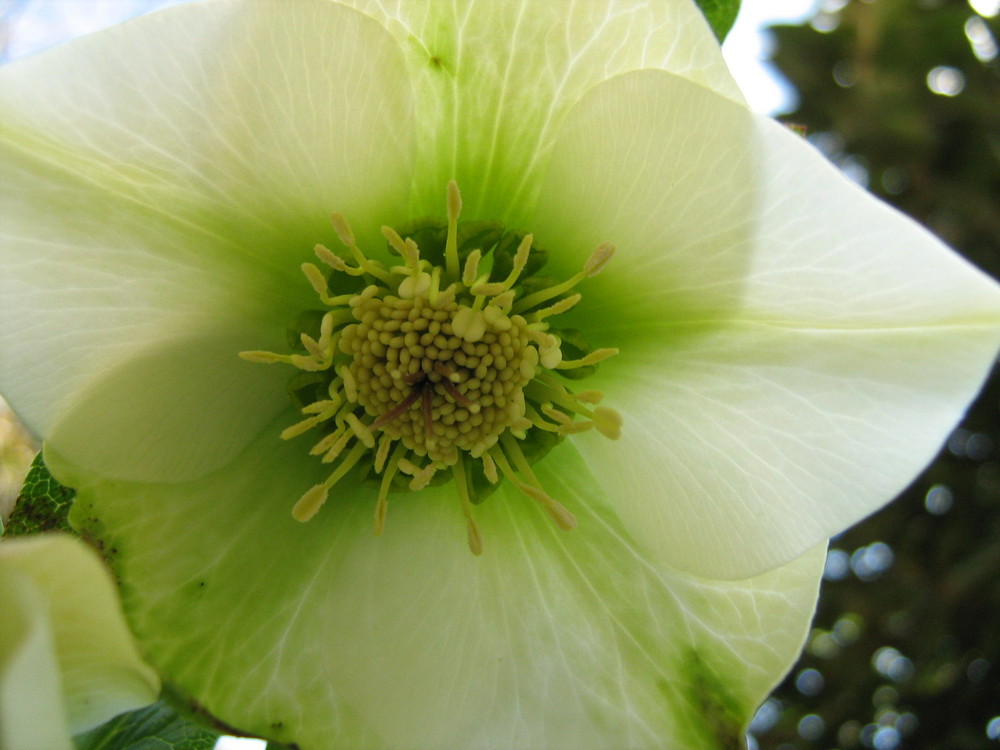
(790,354)
(67,660)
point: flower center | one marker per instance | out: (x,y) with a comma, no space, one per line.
(446,362)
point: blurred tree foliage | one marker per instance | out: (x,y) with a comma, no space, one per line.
(905,651)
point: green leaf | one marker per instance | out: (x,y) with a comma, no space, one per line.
(42,505)
(155,727)
(721,15)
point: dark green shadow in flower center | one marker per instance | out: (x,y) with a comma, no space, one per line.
(443,366)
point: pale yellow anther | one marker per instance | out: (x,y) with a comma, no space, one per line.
(316,279)
(407,250)
(520,424)
(319,407)
(598,259)
(333,260)
(326,443)
(365,265)
(520,258)
(369,292)
(550,356)
(589,397)
(529,364)
(326,327)
(311,345)
(553,413)
(350,385)
(343,230)
(544,340)
(504,301)
(451,244)
(309,364)
(475,536)
(302,427)
(446,296)
(384,443)
(598,355)
(310,503)
(556,510)
(488,289)
(264,358)
(559,307)
(490,468)
(360,430)
(468,324)
(418,285)
(471,271)
(497,318)
(343,438)
(609,422)
(421,477)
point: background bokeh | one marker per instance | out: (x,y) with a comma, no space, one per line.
(904,95)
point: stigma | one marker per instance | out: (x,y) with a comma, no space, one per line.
(443,364)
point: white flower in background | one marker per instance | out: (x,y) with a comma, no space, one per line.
(67,660)
(790,354)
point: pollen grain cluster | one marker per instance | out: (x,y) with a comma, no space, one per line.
(426,367)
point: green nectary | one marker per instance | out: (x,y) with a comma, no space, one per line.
(443,363)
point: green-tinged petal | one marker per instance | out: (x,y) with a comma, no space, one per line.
(162,181)
(327,636)
(793,351)
(67,659)
(495,80)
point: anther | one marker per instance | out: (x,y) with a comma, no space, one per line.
(471,268)
(598,259)
(264,358)
(608,421)
(451,244)
(316,279)
(598,355)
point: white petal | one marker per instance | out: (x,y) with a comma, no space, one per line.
(324,635)
(66,616)
(31,707)
(793,351)
(495,80)
(164,180)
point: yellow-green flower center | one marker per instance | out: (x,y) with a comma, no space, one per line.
(450,366)
(430,388)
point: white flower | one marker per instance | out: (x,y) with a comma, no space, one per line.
(792,352)
(67,660)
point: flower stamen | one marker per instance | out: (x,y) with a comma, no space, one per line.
(435,362)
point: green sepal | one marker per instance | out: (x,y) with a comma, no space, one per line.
(155,727)
(42,505)
(721,15)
